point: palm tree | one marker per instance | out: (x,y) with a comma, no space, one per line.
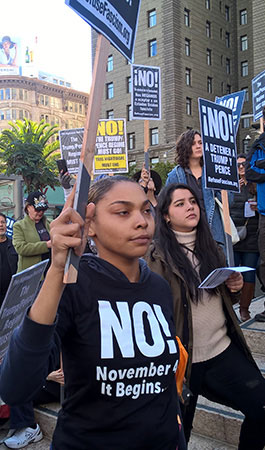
(26,149)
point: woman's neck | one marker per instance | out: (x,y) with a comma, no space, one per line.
(129,267)
(195,167)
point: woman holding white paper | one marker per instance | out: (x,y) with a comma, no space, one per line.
(220,364)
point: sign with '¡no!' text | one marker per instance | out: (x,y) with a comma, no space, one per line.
(146,92)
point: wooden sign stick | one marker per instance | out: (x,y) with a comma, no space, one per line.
(88,147)
(146,144)
(227,229)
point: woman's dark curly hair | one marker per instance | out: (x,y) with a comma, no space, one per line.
(184,148)
(205,250)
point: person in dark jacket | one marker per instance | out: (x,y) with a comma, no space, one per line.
(116,329)
(246,252)
(220,365)
(8,259)
(255,172)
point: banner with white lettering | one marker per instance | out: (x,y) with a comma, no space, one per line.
(111,147)
(116,19)
(71,145)
(258,95)
(219,146)
(20,295)
(146,92)
(235,102)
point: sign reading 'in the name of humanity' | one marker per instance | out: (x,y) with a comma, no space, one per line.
(115,19)
(111,147)
(146,92)
(219,146)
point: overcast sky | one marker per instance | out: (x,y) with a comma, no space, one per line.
(63,48)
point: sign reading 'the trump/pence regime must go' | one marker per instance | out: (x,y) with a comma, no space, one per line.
(111,148)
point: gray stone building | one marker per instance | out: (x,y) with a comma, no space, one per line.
(205,48)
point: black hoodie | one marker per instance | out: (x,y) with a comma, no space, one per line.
(119,358)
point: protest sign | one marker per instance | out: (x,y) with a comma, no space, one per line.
(146,92)
(20,295)
(115,19)
(258,95)
(9,226)
(219,276)
(219,146)
(71,145)
(111,148)
(235,102)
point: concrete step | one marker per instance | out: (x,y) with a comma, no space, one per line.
(46,417)
(198,442)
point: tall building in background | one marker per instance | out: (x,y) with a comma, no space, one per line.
(205,48)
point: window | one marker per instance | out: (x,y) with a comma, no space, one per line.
(8,114)
(76,108)
(246,93)
(154,160)
(2,94)
(228,89)
(80,109)
(152,48)
(2,115)
(227,39)
(109,90)
(245,145)
(188,106)
(131,141)
(220,6)
(209,85)
(14,94)
(244,69)
(188,76)
(154,136)
(151,15)
(222,87)
(243,17)
(228,66)
(129,112)
(128,85)
(110,63)
(209,57)
(20,114)
(227,13)
(110,114)
(208,29)
(131,164)
(187,47)
(221,33)
(245,122)
(187,17)
(8,94)
(243,43)
(207,4)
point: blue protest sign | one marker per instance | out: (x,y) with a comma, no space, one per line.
(258,95)
(115,19)
(219,146)
(235,102)
(9,226)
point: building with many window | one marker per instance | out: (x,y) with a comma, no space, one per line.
(36,99)
(205,48)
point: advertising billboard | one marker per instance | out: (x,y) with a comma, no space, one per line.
(10,55)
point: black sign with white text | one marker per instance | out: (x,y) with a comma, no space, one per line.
(258,95)
(115,19)
(219,146)
(146,92)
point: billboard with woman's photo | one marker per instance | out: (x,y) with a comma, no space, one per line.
(10,50)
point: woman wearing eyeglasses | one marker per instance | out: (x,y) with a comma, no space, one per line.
(246,250)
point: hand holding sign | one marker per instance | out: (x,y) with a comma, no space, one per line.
(69,230)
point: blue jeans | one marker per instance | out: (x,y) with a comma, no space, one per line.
(249,259)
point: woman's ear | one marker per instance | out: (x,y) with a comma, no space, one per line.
(167,219)
(89,220)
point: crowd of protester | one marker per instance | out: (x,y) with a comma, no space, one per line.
(123,370)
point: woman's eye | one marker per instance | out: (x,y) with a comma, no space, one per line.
(122,213)
(193,201)
(180,204)
(147,211)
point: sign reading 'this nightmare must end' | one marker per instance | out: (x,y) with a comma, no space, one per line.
(219,146)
